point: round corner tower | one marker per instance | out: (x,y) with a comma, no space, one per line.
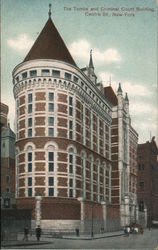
(62,136)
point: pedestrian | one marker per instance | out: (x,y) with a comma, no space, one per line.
(26,234)
(128,231)
(38,233)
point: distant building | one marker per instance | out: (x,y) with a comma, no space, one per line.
(7,161)
(148,180)
(74,144)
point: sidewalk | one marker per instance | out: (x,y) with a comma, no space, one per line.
(95,236)
(50,239)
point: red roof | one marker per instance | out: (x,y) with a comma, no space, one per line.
(50,45)
(110,95)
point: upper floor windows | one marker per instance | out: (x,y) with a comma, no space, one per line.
(29,97)
(33,73)
(51,126)
(45,72)
(67,76)
(56,73)
(29,160)
(75,79)
(51,161)
(51,102)
(30,186)
(24,75)
(70,106)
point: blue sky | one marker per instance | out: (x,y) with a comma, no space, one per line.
(124,47)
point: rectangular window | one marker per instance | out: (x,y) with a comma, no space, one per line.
(56,73)
(70,192)
(30,192)
(29,97)
(51,156)
(71,183)
(51,96)
(51,121)
(51,107)
(70,111)
(30,108)
(67,76)
(30,167)
(29,122)
(51,191)
(71,130)
(17,78)
(51,131)
(70,100)
(70,163)
(7,178)
(51,181)
(30,132)
(33,73)
(75,79)
(24,75)
(29,181)
(29,156)
(45,72)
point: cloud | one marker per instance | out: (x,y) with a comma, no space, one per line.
(21,43)
(81,49)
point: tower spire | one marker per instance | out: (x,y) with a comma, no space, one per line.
(91,60)
(49,13)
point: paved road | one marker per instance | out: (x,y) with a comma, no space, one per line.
(149,240)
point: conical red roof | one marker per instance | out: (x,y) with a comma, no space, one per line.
(50,45)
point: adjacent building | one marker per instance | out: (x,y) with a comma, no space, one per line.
(74,141)
(7,160)
(148,180)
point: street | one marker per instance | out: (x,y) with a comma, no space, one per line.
(149,240)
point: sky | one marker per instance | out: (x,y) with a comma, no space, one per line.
(121,33)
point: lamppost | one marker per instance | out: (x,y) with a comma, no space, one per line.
(92,234)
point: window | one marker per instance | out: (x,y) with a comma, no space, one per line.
(141,184)
(70,106)
(7,178)
(24,75)
(51,184)
(51,126)
(51,107)
(30,132)
(51,102)
(45,72)
(17,78)
(30,108)
(51,181)
(33,73)
(67,76)
(29,161)
(71,163)
(51,121)
(30,181)
(70,129)
(29,122)
(56,73)
(30,192)
(29,97)
(141,206)
(51,96)
(51,161)
(75,79)
(70,187)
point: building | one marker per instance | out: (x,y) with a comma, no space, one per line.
(7,161)
(148,180)
(124,141)
(64,133)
